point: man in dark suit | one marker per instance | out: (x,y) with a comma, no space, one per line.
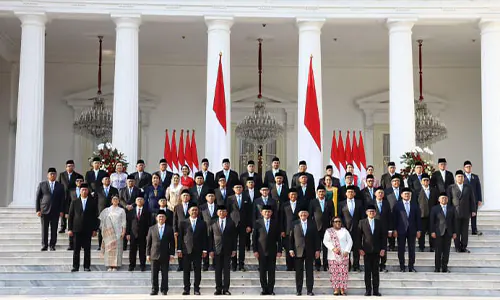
(385,180)
(226,172)
(384,214)
(372,241)
(160,250)
(68,180)
(442,178)
(349,181)
(461,196)
(426,197)
(368,193)
(264,199)
(222,192)
(407,227)
(393,195)
(473,180)
(74,195)
(304,247)
(329,172)
(142,178)
(257,178)
(414,180)
(289,213)
(94,177)
(192,245)
(104,194)
(275,168)
(208,212)
(303,171)
(208,177)
(169,215)
(153,193)
(138,223)
(266,247)
(82,225)
(279,190)
(181,214)
(250,193)
(50,204)
(321,212)
(351,212)
(443,228)
(306,191)
(129,193)
(164,175)
(240,210)
(222,245)
(199,190)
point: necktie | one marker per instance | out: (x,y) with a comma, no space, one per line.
(267,226)
(304,190)
(223,192)
(84,203)
(279,190)
(371,225)
(222,225)
(185,208)
(226,174)
(95,174)
(292,205)
(239,201)
(351,208)
(304,228)
(419,177)
(139,214)
(380,206)
(193,224)
(322,204)
(427,193)
(211,208)
(161,232)
(140,173)
(162,176)
(106,191)
(51,187)
(130,192)
(78,192)
(468,177)
(69,176)
(199,190)
(444,210)
(204,176)
(407,208)
(396,193)
(371,193)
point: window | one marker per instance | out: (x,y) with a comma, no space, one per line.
(248,151)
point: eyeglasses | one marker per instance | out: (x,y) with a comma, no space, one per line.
(337,221)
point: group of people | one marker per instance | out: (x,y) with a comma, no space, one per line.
(209,222)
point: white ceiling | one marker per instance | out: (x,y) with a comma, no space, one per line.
(363,44)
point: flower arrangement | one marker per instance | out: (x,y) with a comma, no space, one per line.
(411,157)
(109,156)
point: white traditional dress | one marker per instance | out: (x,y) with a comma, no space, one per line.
(118,180)
(338,265)
(113,222)
(174,195)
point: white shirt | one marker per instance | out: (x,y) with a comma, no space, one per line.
(211,208)
(251,193)
(84,203)
(345,241)
(138,209)
(460,186)
(96,172)
(351,205)
(293,205)
(193,222)
(275,171)
(443,174)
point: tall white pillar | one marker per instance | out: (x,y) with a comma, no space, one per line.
(14,85)
(401,94)
(309,44)
(29,136)
(126,87)
(219,42)
(490,95)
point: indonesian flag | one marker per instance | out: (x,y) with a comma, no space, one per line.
(348,151)
(334,158)
(180,156)
(173,152)
(166,152)
(310,133)
(217,136)
(341,155)
(194,154)
(362,156)
(187,154)
(355,155)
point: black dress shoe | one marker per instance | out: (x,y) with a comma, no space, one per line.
(164,293)
(272,294)
(263,293)
(377,294)
(474,233)
(310,294)
(299,294)
(325,269)
(367,293)
(179,269)
(143,268)
(44,248)
(412,269)
(421,249)
(205,269)
(52,248)
(242,268)
(98,249)
(86,269)
(432,250)
(436,271)
(74,270)
(62,231)
(197,293)
(153,293)
(383,270)
(402,270)
(458,250)
(185,293)
(445,270)
(318,268)
(218,293)
(131,269)
(233,269)
(70,248)
(465,250)
(227,293)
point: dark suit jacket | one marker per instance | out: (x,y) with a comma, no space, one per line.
(256,177)
(441,183)
(464,201)
(259,203)
(232,178)
(126,198)
(385,180)
(200,199)
(310,181)
(168,179)
(335,181)
(205,215)
(209,180)
(308,196)
(162,249)
(223,242)
(192,242)
(269,177)
(168,213)
(475,183)
(138,228)
(69,183)
(145,180)
(391,197)
(283,197)
(80,221)
(240,216)
(342,190)
(93,181)
(72,196)
(351,222)
(322,218)
(104,201)
(426,204)
(218,196)
(367,197)
(304,245)
(256,194)
(150,200)
(287,217)
(179,215)
(48,202)
(442,225)
(414,183)
(267,243)
(385,216)
(404,225)
(372,243)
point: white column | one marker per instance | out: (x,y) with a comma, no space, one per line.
(29,136)
(126,88)
(490,95)
(14,85)
(401,95)
(309,44)
(219,41)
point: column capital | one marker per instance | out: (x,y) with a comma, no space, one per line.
(32,18)
(400,24)
(489,25)
(127,20)
(310,24)
(221,23)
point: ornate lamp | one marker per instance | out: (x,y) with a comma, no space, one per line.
(96,122)
(428,128)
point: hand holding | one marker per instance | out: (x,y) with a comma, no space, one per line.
(336,250)
(473,214)
(38,213)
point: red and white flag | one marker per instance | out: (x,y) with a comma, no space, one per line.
(166,152)
(180,156)
(334,158)
(310,133)
(341,155)
(362,156)
(355,155)
(173,152)
(348,150)
(194,154)
(187,155)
